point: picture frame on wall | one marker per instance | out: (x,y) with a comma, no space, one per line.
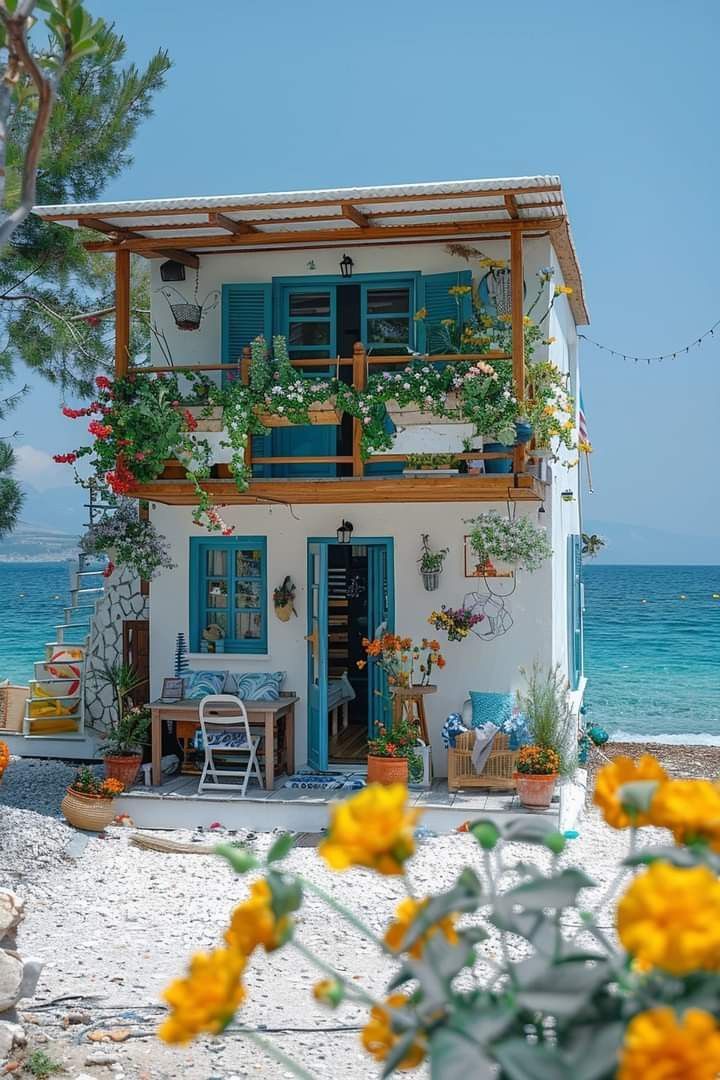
(475,569)
(173,689)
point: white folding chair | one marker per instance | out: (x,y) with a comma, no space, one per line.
(229,735)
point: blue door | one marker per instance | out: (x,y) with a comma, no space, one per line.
(317,655)
(380,620)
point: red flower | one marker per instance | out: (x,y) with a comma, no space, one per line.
(190,420)
(121,480)
(102,382)
(65,459)
(74,414)
(108,569)
(228,531)
(139,455)
(100,431)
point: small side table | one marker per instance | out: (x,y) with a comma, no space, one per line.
(410,703)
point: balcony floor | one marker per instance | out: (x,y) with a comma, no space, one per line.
(354,489)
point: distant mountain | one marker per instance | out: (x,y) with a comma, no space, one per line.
(626,543)
(59,509)
(29,544)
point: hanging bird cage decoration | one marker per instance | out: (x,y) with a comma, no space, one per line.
(188,314)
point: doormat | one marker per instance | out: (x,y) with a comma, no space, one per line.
(325,781)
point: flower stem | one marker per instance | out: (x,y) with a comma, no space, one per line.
(276,1054)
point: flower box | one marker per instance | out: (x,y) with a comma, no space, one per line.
(412,415)
(320,412)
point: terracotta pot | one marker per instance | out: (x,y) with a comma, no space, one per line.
(535,790)
(124,768)
(87,811)
(387,770)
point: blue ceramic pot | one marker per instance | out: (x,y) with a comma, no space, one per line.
(523,433)
(498,465)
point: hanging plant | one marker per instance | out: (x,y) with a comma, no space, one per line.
(188,314)
(284,600)
(431,563)
(131,541)
(517,544)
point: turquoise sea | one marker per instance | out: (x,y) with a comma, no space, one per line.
(652,643)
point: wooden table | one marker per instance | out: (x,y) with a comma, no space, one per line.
(265,714)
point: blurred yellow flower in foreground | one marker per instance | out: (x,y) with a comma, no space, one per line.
(378,1037)
(206,1000)
(658,1046)
(254,923)
(563,290)
(669,918)
(374,828)
(624,770)
(406,913)
(690,809)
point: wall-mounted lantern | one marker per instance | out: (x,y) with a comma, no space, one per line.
(172,271)
(344,532)
(346,266)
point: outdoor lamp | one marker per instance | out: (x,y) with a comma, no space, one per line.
(344,532)
(346,266)
(172,271)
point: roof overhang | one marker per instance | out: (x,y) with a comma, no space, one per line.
(186,229)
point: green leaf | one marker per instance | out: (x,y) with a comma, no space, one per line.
(559,891)
(286,893)
(528,830)
(280,848)
(521,1061)
(486,833)
(562,990)
(463,896)
(592,1049)
(78,22)
(637,795)
(454,1056)
(556,842)
(239,858)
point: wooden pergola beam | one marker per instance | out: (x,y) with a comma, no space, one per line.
(512,207)
(184,257)
(517,291)
(237,228)
(353,214)
(427,230)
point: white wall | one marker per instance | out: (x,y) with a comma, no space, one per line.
(471,665)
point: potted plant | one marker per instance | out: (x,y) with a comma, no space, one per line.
(406,665)
(122,747)
(457,623)
(537,770)
(508,544)
(431,564)
(284,600)
(431,464)
(88,803)
(391,754)
(4,758)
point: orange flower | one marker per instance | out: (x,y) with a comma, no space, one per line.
(361,664)
(441,661)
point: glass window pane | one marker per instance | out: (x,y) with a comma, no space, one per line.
(381,300)
(304,304)
(309,333)
(217,618)
(217,593)
(217,563)
(391,331)
(248,563)
(248,626)
(247,594)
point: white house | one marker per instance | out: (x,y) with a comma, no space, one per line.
(343,274)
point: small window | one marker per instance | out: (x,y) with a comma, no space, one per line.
(228,589)
(388,322)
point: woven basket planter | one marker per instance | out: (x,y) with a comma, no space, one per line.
(89,812)
(321,412)
(535,791)
(431,579)
(387,770)
(123,767)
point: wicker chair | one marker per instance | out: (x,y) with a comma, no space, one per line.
(499,767)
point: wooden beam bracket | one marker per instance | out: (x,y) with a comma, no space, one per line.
(353,214)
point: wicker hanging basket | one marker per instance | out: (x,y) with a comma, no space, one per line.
(431,579)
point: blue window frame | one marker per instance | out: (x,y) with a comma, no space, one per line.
(386,316)
(228,588)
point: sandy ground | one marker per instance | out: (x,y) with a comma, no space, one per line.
(116,923)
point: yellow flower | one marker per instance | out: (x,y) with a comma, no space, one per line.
(527,320)
(206,1000)
(378,1037)
(254,923)
(447,322)
(670,918)
(585,447)
(623,770)
(690,809)
(549,341)
(374,828)
(421,314)
(406,913)
(563,290)
(505,318)
(459,290)
(660,1047)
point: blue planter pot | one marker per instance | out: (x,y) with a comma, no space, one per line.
(498,465)
(523,433)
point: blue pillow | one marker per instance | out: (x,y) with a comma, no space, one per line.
(255,685)
(198,684)
(490,708)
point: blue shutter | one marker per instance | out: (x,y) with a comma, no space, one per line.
(246,314)
(574,611)
(433,295)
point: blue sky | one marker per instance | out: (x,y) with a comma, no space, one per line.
(619,99)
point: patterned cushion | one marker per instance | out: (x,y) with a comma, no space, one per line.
(255,685)
(198,684)
(232,739)
(490,708)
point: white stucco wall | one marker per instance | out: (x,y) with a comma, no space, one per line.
(471,665)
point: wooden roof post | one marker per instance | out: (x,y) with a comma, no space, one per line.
(517,283)
(122,313)
(359,375)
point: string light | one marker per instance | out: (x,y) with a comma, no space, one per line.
(661,356)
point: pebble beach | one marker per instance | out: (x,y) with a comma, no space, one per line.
(115,923)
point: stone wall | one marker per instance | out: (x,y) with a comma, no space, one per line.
(122,601)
